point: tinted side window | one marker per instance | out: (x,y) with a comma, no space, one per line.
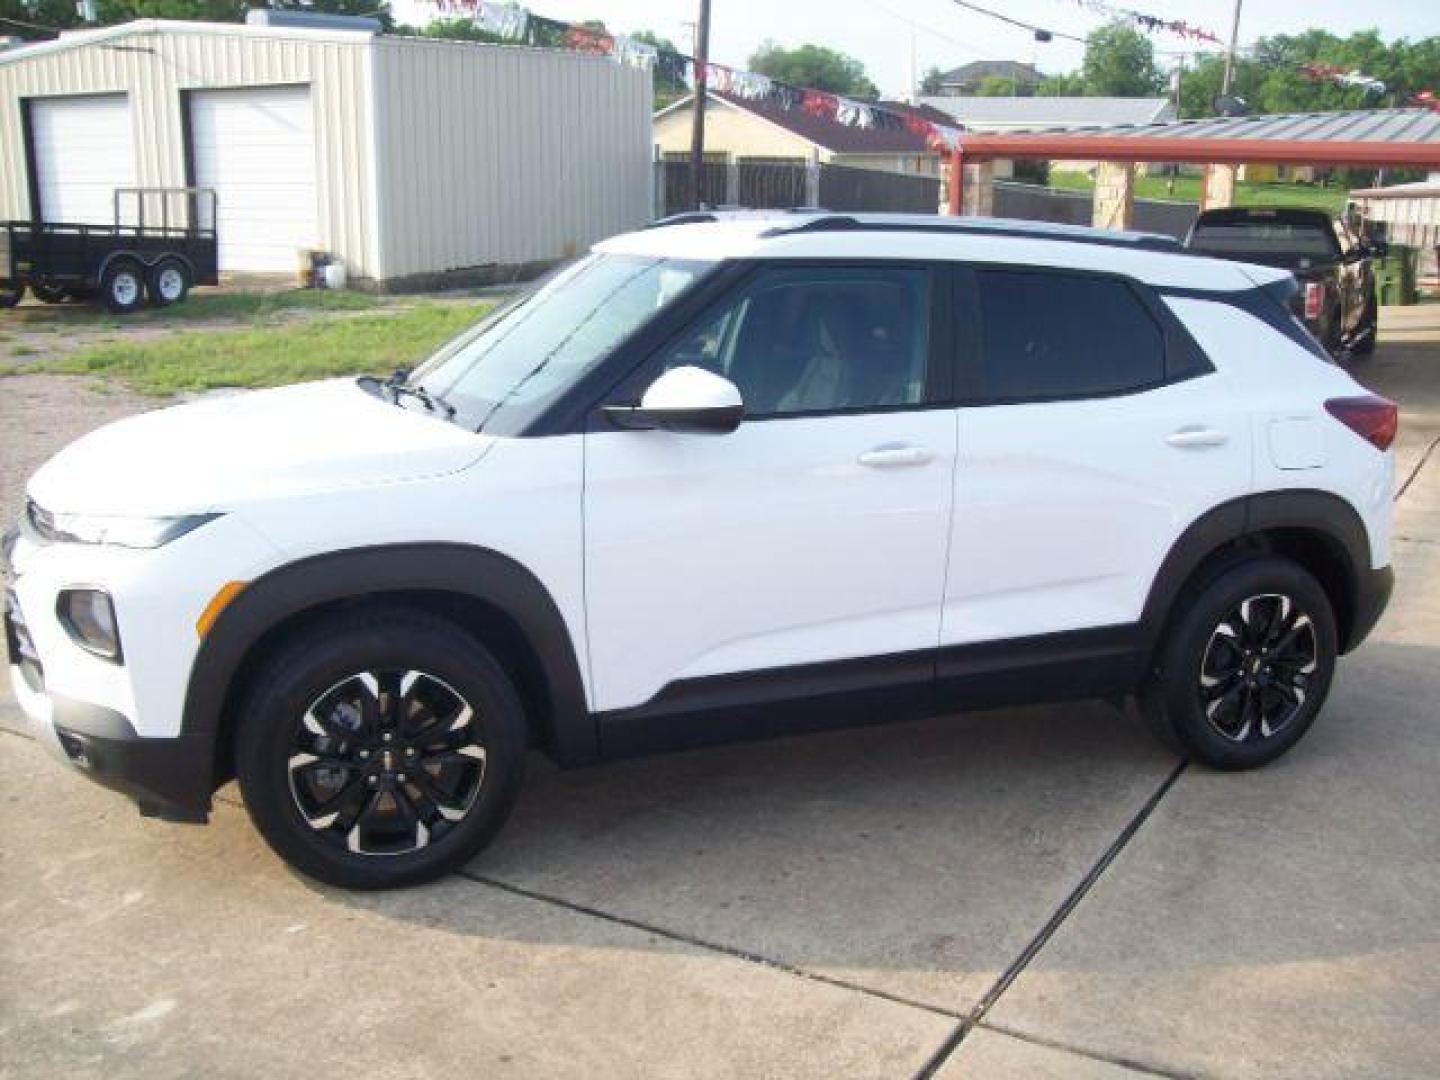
(801,340)
(1051,335)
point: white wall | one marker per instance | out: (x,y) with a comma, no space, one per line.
(504,155)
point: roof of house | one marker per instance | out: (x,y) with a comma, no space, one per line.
(828,134)
(981,69)
(1052,112)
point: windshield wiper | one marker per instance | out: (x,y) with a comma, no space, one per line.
(399,383)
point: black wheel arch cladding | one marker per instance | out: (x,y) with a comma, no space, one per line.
(362,574)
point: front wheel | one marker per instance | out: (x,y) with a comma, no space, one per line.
(381,749)
(1247,665)
(122,286)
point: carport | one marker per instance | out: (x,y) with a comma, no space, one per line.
(1362,138)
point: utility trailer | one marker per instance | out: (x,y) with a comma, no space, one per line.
(124,263)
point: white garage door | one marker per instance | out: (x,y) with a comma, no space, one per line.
(84,150)
(256,147)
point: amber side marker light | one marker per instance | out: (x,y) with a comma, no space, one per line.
(218,603)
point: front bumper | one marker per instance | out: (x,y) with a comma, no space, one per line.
(167,778)
(120,723)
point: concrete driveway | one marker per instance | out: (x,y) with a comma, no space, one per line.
(1031,893)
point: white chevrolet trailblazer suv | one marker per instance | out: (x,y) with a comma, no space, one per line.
(730,476)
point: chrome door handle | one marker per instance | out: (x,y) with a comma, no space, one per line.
(1188,437)
(895,455)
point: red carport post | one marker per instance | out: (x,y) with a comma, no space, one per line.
(957,181)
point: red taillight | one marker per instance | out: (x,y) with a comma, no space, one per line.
(1314,293)
(1374,418)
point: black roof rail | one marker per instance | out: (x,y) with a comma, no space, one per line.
(691,217)
(1005,227)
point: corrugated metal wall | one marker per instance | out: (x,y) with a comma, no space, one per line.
(505,155)
(154,67)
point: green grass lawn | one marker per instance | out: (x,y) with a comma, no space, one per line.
(316,347)
(1187,189)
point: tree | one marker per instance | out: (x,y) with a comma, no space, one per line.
(1071,85)
(33,21)
(1001,86)
(668,88)
(814,66)
(932,84)
(1120,62)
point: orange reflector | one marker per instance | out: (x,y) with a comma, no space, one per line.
(218,603)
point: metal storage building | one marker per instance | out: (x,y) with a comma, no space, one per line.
(416,161)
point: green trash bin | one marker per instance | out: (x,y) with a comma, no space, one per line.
(1395,276)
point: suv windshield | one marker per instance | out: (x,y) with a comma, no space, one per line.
(502,372)
(1276,240)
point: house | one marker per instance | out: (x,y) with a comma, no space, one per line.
(415,161)
(967,78)
(1050,114)
(740,130)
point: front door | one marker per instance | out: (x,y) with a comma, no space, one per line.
(816,532)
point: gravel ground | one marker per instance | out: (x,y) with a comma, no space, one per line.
(40,414)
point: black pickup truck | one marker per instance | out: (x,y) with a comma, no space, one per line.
(161,242)
(1333,265)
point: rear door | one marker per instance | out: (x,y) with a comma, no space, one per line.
(815,533)
(84,149)
(1092,432)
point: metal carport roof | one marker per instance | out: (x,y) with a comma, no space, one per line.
(1375,138)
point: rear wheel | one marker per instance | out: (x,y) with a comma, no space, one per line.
(169,282)
(122,286)
(1246,667)
(381,749)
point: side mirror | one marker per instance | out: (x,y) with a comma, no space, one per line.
(690,400)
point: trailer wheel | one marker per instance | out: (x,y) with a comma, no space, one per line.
(47,292)
(10,295)
(122,286)
(169,282)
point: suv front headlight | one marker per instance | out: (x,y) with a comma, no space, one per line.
(122,531)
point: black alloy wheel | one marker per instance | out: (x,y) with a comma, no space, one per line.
(380,747)
(385,761)
(1257,668)
(1245,665)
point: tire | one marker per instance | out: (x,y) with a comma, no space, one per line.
(1214,694)
(10,295)
(168,282)
(48,293)
(353,816)
(122,286)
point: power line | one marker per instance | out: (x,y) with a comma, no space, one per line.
(933,32)
(1042,34)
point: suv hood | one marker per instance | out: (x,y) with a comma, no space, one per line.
(221,452)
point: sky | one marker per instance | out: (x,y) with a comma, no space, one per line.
(880,32)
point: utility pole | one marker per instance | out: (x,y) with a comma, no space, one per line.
(1230,54)
(697,131)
